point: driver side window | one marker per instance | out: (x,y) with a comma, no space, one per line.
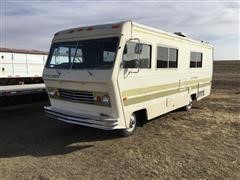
(130,55)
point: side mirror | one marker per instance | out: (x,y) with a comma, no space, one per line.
(138,48)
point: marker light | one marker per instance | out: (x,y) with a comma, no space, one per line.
(115,26)
(90,28)
(99,99)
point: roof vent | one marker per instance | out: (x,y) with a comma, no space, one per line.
(180,34)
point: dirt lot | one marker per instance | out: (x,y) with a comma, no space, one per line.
(201,144)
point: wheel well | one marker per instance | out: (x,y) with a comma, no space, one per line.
(194,97)
(141,116)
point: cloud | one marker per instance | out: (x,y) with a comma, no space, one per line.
(31,24)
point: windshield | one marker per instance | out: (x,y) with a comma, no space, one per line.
(92,54)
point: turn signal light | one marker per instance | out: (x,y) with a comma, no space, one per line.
(98,99)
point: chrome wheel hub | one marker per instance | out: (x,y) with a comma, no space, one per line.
(189,106)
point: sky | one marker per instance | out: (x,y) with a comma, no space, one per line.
(31,24)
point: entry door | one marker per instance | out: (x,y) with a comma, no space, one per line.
(136,64)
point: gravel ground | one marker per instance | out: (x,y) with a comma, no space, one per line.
(201,144)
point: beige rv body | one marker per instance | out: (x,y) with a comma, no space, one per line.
(154,91)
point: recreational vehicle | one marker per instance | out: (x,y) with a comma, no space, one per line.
(115,76)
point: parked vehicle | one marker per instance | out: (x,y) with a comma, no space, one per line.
(115,76)
(21,71)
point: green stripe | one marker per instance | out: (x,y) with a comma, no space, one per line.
(160,94)
(133,92)
(149,97)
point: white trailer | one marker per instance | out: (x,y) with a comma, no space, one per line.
(21,71)
(112,76)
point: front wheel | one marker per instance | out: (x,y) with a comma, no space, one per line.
(132,126)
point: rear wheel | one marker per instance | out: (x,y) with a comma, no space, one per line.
(132,126)
(189,105)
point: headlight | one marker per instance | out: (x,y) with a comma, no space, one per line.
(53,92)
(106,100)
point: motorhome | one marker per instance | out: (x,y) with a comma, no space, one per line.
(21,71)
(115,76)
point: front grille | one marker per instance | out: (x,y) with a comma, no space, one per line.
(76,96)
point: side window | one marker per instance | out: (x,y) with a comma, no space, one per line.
(173,58)
(130,56)
(193,60)
(196,59)
(162,57)
(145,56)
(199,59)
(167,57)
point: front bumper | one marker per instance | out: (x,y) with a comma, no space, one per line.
(96,122)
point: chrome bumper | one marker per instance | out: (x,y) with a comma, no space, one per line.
(106,124)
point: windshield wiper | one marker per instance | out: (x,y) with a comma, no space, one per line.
(84,66)
(59,73)
(89,72)
(82,62)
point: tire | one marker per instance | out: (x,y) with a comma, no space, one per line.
(189,106)
(132,127)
